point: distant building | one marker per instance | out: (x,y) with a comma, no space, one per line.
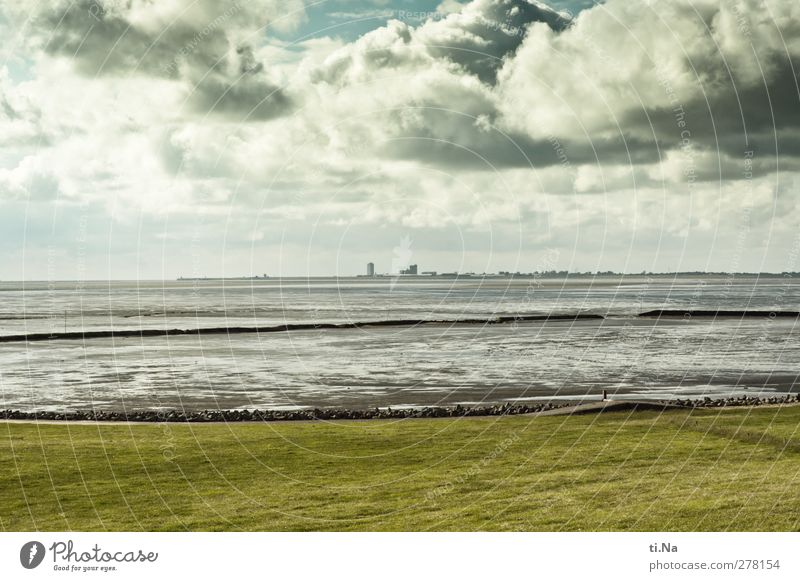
(370,269)
(412,269)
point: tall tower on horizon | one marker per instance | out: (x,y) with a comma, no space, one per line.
(370,269)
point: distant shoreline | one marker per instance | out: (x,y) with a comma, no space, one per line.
(550,275)
(553,274)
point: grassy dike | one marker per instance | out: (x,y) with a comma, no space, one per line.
(711,469)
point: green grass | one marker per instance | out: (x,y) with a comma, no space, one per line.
(710,470)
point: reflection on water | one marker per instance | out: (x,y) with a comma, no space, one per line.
(440,364)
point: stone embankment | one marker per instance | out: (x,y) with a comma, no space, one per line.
(364,414)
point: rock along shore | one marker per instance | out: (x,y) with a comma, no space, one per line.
(156,416)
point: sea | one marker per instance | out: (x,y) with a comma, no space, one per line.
(446,363)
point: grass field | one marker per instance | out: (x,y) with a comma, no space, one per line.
(737,469)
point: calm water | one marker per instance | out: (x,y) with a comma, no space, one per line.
(400,366)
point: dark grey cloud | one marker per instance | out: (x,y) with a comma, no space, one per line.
(478,38)
(486,32)
(731,117)
(8,110)
(456,140)
(224,77)
(105,42)
(244,95)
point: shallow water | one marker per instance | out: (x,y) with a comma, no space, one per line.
(398,366)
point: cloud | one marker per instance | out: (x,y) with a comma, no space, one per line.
(477,37)
(684,67)
(481,35)
(491,83)
(720,74)
(240,92)
(208,45)
(30,180)
(20,117)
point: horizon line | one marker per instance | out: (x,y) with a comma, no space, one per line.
(443,275)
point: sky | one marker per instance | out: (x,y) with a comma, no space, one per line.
(150,140)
